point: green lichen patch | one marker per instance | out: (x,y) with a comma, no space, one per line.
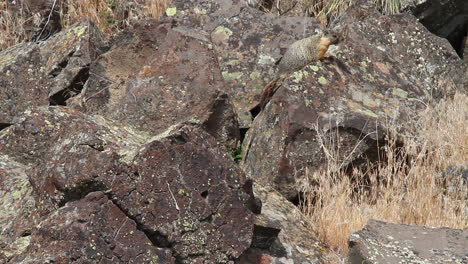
(222,33)
(77,32)
(171,11)
(199,11)
(229,76)
(322,80)
(298,76)
(255,75)
(400,93)
(315,68)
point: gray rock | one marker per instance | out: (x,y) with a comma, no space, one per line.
(18,207)
(282,234)
(388,243)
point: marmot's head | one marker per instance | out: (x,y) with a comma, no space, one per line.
(332,37)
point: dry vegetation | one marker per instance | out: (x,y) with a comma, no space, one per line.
(408,187)
(109,15)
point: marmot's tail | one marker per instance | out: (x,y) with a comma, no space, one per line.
(269,90)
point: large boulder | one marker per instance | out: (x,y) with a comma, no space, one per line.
(181,189)
(90,230)
(246,41)
(381,242)
(282,234)
(154,77)
(385,69)
(47,72)
(447,19)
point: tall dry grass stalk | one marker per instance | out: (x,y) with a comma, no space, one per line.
(409,187)
(155,8)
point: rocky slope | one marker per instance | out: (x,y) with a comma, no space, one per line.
(119,150)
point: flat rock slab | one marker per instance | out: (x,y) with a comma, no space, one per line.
(387,243)
(182,189)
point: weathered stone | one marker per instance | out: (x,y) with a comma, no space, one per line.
(247,43)
(47,72)
(17,206)
(181,188)
(282,234)
(447,18)
(385,67)
(154,77)
(381,242)
(91,230)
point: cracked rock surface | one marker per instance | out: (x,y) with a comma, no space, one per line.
(49,72)
(90,230)
(180,188)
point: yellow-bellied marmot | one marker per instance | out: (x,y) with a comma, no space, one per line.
(297,56)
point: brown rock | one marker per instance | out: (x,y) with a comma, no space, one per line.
(181,188)
(18,217)
(247,43)
(91,230)
(47,72)
(281,234)
(154,77)
(381,242)
(385,67)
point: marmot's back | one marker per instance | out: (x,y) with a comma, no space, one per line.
(297,56)
(303,52)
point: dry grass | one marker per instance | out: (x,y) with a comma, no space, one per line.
(11,26)
(407,188)
(109,15)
